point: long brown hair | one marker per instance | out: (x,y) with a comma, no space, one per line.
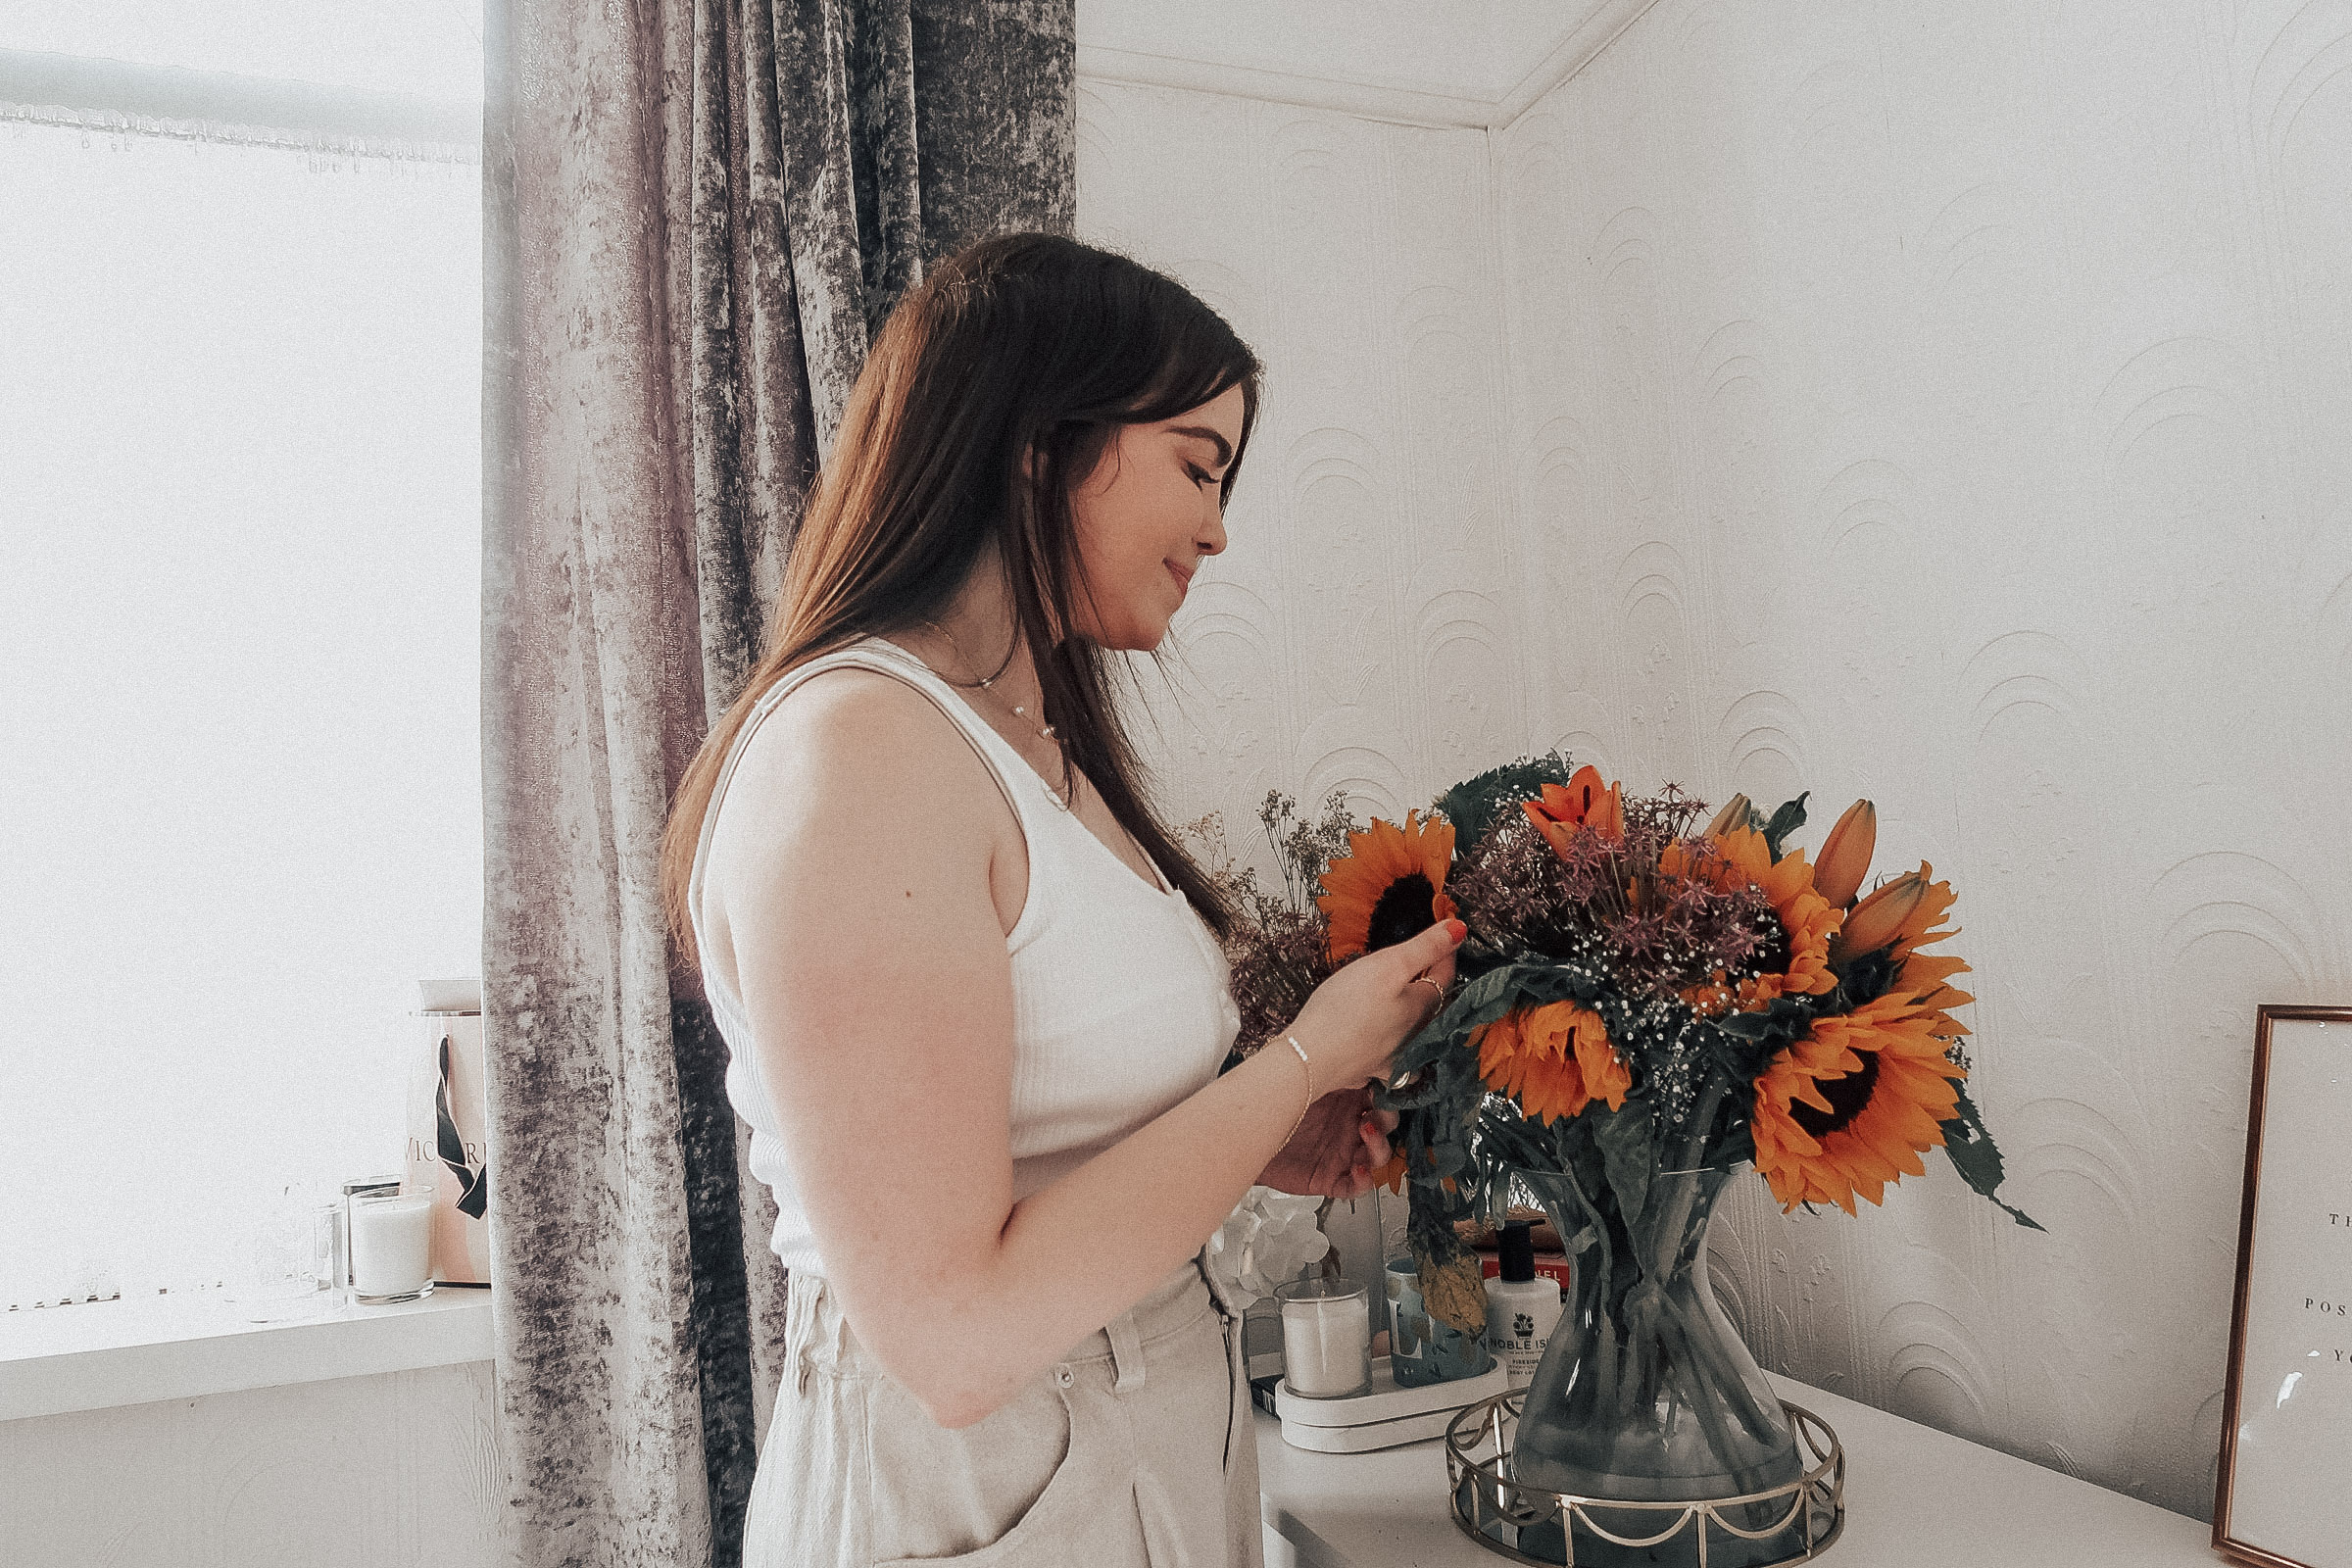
(1019,342)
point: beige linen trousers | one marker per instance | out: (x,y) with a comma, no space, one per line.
(1139,1450)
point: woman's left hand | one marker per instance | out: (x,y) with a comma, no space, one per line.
(1340,1144)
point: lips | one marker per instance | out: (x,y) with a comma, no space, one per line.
(1184,578)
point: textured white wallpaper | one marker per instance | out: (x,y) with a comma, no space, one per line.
(1946,403)
(1360,631)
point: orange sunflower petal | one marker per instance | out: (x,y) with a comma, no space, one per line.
(1849,1108)
(1552,1059)
(1379,859)
(1739,859)
(1920,928)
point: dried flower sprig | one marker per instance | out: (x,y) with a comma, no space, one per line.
(1276,950)
(1305,849)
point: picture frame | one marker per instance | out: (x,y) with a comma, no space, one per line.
(2280,1501)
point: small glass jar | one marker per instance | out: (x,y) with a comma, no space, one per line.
(1326,1337)
(1424,1348)
(342,1233)
(328,1270)
(270,1272)
(389,1236)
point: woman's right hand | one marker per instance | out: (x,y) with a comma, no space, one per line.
(1356,1019)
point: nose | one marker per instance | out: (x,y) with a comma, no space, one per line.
(1212,537)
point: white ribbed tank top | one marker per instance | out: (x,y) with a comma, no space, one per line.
(1121,999)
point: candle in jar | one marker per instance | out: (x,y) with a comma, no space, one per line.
(1326,1337)
(391,1246)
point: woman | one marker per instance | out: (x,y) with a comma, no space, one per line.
(971,987)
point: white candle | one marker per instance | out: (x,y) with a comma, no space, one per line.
(1326,1337)
(391,1246)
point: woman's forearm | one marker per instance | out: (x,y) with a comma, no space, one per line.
(1075,1254)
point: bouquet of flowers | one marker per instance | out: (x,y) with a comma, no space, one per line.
(1639,994)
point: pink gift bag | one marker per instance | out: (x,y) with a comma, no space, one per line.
(447,1128)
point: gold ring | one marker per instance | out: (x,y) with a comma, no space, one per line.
(1423,979)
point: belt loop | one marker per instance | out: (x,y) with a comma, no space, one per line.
(1126,1352)
(800,1304)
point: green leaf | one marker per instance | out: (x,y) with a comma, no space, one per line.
(1482,999)
(1629,1152)
(1746,1043)
(1421,1092)
(1977,1157)
(1785,821)
(1508,1141)
(1486,997)
(1863,979)
(1738,1145)
(1473,804)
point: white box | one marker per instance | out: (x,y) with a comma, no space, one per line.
(1383,1416)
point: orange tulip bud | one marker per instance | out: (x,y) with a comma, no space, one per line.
(1880,919)
(1845,854)
(1734,815)
(1608,812)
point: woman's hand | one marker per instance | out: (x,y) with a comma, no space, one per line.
(1337,1148)
(1356,1019)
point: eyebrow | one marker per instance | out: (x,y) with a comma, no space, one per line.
(1205,433)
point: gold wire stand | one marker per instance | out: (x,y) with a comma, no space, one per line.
(1817,1497)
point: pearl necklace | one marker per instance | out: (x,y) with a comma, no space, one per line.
(987,683)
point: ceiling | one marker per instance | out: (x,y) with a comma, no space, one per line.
(1433,62)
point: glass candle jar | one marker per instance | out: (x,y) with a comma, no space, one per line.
(1424,1348)
(390,1238)
(1326,1337)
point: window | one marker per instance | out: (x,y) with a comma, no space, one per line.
(240,806)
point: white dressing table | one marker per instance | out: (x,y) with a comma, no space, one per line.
(1915,1498)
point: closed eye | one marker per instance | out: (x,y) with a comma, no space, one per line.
(1199,476)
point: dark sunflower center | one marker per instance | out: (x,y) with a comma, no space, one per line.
(1402,912)
(1846,1097)
(1773,957)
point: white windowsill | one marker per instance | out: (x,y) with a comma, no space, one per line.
(105,1353)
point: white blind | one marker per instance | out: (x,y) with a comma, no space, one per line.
(241,807)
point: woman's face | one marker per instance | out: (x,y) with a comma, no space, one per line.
(1146,515)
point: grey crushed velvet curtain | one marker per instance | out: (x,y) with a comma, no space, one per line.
(696,214)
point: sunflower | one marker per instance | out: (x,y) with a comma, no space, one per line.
(1918,928)
(1852,1104)
(1389,886)
(1561,812)
(1924,979)
(1553,1060)
(1799,962)
(1898,919)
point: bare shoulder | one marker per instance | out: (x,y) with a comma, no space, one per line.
(857,757)
(855,803)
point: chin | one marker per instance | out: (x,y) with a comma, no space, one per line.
(1139,636)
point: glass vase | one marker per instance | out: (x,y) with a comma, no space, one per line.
(1645,1393)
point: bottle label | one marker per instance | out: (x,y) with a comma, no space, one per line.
(1516,1334)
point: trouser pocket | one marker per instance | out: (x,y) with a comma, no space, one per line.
(1011,1488)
